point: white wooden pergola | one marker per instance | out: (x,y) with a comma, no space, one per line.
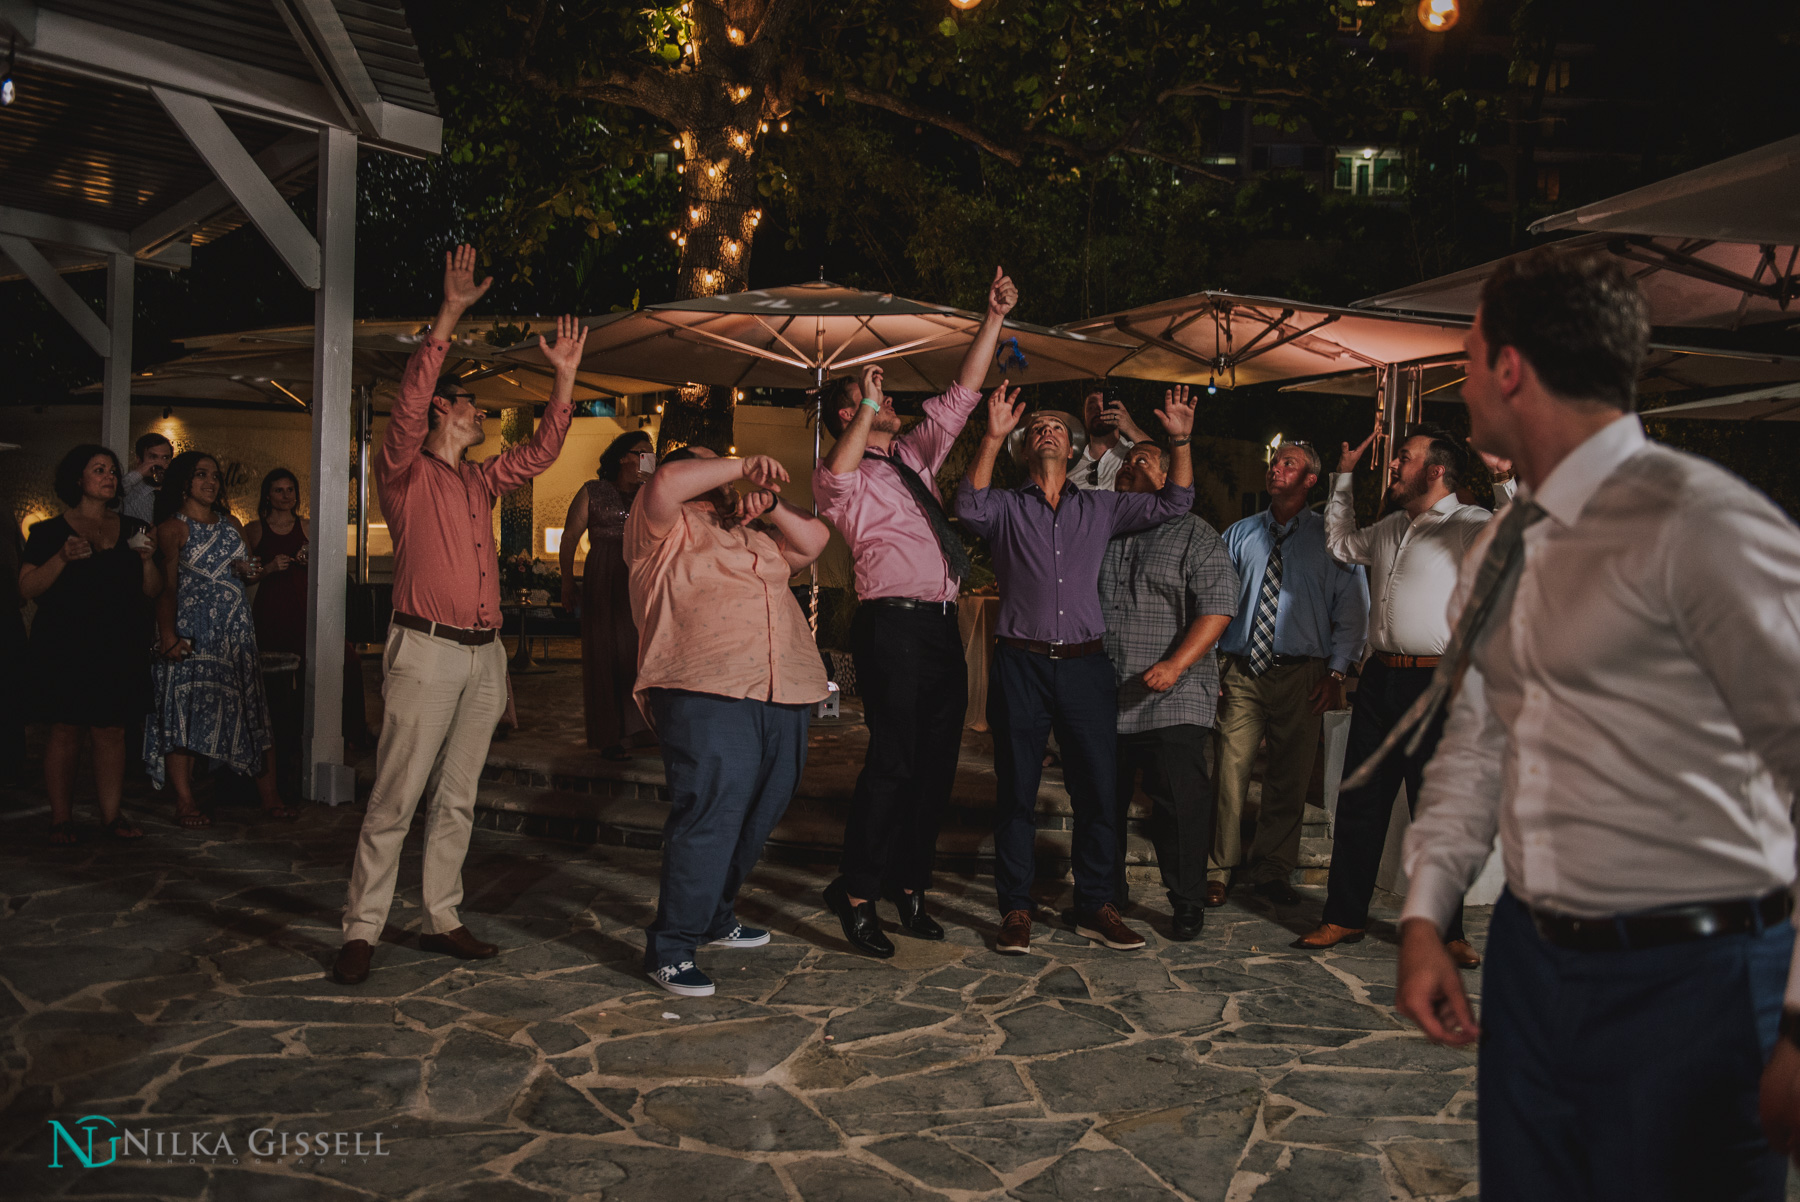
(141,127)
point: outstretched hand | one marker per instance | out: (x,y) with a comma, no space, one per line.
(460,288)
(1177,413)
(565,353)
(1004,411)
(765,473)
(1002,294)
(1348,459)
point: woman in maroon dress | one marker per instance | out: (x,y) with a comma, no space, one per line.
(603,597)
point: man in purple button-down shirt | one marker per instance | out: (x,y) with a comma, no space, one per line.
(1050,670)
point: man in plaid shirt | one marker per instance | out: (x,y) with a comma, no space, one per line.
(1168,593)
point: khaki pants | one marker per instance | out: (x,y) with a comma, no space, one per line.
(442,701)
(1274,705)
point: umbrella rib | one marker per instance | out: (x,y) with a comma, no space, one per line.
(734,344)
(1683,264)
(799,354)
(894,352)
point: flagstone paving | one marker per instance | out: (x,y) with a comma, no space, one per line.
(179,987)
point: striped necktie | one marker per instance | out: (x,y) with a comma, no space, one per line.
(1494,583)
(1268,601)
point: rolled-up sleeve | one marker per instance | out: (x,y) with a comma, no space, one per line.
(1458,814)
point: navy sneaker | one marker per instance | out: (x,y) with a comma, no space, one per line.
(740,936)
(683,979)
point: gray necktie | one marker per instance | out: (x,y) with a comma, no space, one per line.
(1494,583)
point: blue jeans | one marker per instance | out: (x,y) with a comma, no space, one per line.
(1627,1076)
(1028,695)
(732,766)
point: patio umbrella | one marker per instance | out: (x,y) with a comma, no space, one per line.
(1229,340)
(1780,403)
(799,335)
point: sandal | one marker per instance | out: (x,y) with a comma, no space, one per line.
(122,829)
(62,834)
(193,819)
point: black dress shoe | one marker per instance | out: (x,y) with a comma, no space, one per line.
(1279,892)
(862,926)
(1189,918)
(913,919)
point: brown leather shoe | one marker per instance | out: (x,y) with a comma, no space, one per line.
(1463,955)
(1215,893)
(1328,934)
(1015,933)
(459,943)
(1107,927)
(352,967)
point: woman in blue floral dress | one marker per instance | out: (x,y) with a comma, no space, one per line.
(208,681)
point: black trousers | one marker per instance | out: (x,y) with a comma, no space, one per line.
(914,685)
(1028,696)
(1383,695)
(1172,760)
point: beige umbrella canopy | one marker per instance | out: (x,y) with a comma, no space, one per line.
(1779,403)
(799,335)
(275,365)
(1230,340)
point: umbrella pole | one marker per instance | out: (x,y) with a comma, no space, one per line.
(818,420)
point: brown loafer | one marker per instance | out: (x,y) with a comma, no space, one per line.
(1328,934)
(1015,933)
(1215,893)
(459,943)
(352,967)
(1463,955)
(1105,926)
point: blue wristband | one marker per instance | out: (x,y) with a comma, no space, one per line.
(872,403)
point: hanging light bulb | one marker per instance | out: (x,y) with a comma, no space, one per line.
(1435,15)
(677,143)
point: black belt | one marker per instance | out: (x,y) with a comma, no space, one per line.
(941,607)
(1659,928)
(1281,661)
(456,634)
(1055,650)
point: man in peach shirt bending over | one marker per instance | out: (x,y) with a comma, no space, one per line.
(444,672)
(727,674)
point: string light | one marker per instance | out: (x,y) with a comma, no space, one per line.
(784,127)
(735,34)
(712,172)
(694,215)
(755,216)
(1435,15)
(731,248)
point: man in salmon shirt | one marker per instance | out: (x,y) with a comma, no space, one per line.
(444,671)
(727,675)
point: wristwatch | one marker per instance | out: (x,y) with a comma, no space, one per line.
(1336,675)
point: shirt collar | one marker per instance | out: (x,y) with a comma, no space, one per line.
(1570,485)
(1293,525)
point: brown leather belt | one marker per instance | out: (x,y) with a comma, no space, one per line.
(1659,928)
(1055,650)
(437,630)
(1393,660)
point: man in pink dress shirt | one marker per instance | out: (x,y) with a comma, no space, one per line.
(444,672)
(879,488)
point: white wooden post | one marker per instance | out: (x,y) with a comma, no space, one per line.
(325,776)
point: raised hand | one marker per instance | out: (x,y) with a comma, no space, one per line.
(565,353)
(1177,413)
(460,288)
(1502,468)
(1004,411)
(765,472)
(1348,459)
(1002,295)
(871,382)
(756,503)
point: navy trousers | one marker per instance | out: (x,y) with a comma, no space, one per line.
(732,765)
(1383,696)
(914,685)
(1627,1076)
(1028,696)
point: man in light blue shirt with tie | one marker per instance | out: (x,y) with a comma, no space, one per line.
(1302,618)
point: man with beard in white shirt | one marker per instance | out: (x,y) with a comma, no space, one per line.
(1412,555)
(1625,674)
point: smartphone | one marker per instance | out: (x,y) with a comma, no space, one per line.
(646,462)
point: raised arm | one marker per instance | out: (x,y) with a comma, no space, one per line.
(846,455)
(675,484)
(1133,511)
(1002,296)
(1346,543)
(460,291)
(409,420)
(574,526)
(515,465)
(802,537)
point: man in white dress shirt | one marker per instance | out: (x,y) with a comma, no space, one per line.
(1412,555)
(1629,723)
(1110,436)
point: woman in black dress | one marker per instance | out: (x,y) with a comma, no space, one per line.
(90,572)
